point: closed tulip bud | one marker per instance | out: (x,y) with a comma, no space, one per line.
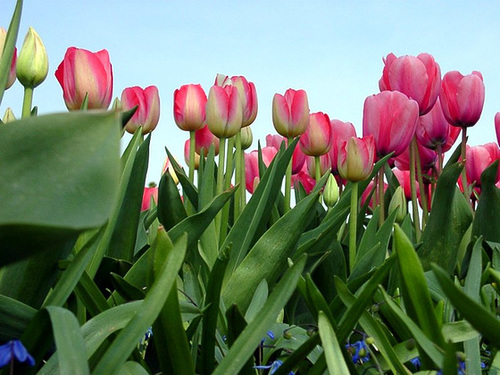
(391,118)
(204,139)
(248,96)
(398,204)
(341,131)
(8,116)
(190,102)
(246,137)
(419,78)
(224,111)
(84,73)
(291,113)
(317,139)
(150,194)
(462,98)
(33,62)
(12,71)
(147,114)
(331,191)
(356,157)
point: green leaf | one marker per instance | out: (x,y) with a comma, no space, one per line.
(334,358)
(189,189)
(166,269)
(487,220)
(448,222)
(14,317)
(258,300)
(249,339)
(171,210)
(133,368)
(459,331)
(49,187)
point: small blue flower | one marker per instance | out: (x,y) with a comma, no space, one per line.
(361,351)
(416,362)
(270,334)
(15,349)
(272,367)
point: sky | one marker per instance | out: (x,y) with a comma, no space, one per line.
(331,49)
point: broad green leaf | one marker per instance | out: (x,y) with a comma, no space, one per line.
(69,342)
(333,354)
(90,295)
(190,191)
(14,317)
(171,210)
(258,300)
(487,220)
(267,259)
(448,222)
(249,339)
(133,368)
(236,323)
(166,269)
(416,295)
(8,48)
(459,331)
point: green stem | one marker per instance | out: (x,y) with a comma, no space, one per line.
(317,168)
(237,176)
(27,101)
(421,186)
(227,184)
(243,190)
(353,223)
(288,182)
(413,187)
(380,192)
(220,178)
(464,171)
(192,148)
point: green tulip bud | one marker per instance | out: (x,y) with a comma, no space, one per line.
(246,137)
(398,203)
(331,191)
(32,63)
(8,116)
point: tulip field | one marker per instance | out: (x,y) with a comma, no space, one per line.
(312,251)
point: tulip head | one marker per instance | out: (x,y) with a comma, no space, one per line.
(83,73)
(224,111)
(391,118)
(478,159)
(341,132)
(204,139)
(291,113)
(147,114)
(356,157)
(190,102)
(298,157)
(248,96)
(33,62)
(331,191)
(398,204)
(317,139)
(462,98)
(246,137)
(12,71)
(252,165)
(150,193)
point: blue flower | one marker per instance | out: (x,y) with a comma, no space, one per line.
(270,334)
(361,351)
(15,349)
(416,362)
(272,367)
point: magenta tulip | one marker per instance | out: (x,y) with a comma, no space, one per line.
(497,127)
(204,139)
(342,131)
(419,78)
(84,73)
(147,114)
(427,158)
(462,98)
(432,128)
(189,107)
(148,194)
(291,113)
(224,111)
(252,166)
(12,71)
(305,180)
(478,159)
(317,139)
(356,157)
(298,157)
(392,118)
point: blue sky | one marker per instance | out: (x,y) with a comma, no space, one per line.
(331,49)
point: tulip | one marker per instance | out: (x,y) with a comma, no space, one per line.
(398,204)
(356,157)
(224,111)
(167,166)
(342,131)
(147,114)
(497,127)
(453,134)
(84,73)
(291,113)
(462,98)
(187,159)
(252,166)
(247,92)
(151,191)
(427,158)
(403,177)
(478,159)
(204,139)
(325,164)
(12,72)
(433,129)
(33,62)
(392,118)
(298,157)
(305,180)
(331,191)
(189,107)
(419,78)
(246,137)
(317,139)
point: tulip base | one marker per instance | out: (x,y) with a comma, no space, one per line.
(353,224)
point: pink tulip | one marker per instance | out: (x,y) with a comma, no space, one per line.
(427,158)
(342,131)
(304,179)
(356,157)
(12,71)
(403,177)
(248,95)
(419,78)
(298,157)
(432,128)
(462,98)
(187,145)
(147,114)
(83,72)
(371,186)
(224,111)
(325,164)
(497,127)
(453,134)
(167,167)
(146,197)
(478,159)
(317,139)
(189,107)
(204,139)
(291,113)
(392,118)
(252,166)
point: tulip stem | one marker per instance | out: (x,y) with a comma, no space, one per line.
(464,170)
(413,187)
(227,185)
(353,224)
(421,186)
(220,178)
(317,168)
(192,145)
(237,176)
(27,101)
(288,181)
(243,190)
(380,192)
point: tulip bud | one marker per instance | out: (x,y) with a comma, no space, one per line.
(12,72)
(204,139)
(246,137)
(224,111)
(186,155)
(291,113)
(356,158)
(497,127)
(8,116)
(33,62)
(331,191)
(147,114)
(317,139)
(398,203)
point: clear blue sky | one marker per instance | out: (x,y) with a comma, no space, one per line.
(332,49)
